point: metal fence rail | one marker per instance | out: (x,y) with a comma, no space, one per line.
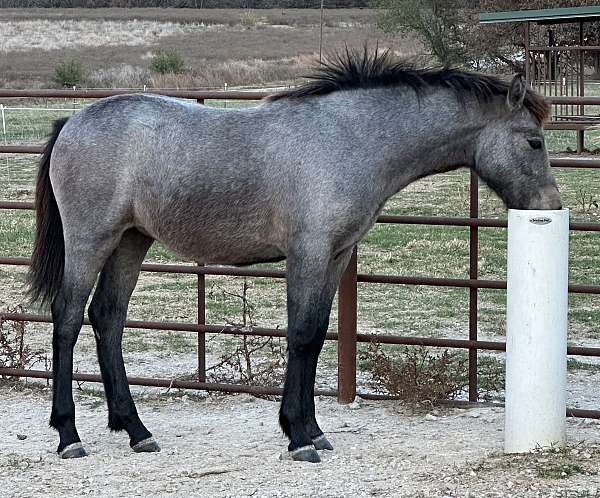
(347,336)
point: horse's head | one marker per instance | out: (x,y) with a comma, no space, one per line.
(511,155)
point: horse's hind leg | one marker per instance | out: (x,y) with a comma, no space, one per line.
(107,313)
(82,264)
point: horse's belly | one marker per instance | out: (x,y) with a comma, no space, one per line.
(223,241)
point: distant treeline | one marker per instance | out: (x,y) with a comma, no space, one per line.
(195,4)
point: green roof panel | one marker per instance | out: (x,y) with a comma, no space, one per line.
(543,15)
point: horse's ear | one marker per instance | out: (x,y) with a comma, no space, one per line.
(516,93)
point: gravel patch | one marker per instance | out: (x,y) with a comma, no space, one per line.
(226,446)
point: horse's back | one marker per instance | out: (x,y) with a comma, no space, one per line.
(178,171)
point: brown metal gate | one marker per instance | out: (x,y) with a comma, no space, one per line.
(347,335)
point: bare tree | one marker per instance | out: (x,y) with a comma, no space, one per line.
(452,32)
(436,22)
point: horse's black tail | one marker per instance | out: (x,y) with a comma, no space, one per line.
(48,259)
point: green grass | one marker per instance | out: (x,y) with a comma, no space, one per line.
(16,232)
(387,249)
(561,471)
(574,365)
(167,342)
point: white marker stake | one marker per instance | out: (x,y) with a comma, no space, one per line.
(536,335)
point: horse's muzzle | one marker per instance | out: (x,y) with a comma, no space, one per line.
(548,198)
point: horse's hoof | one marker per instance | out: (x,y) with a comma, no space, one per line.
(321,443)
(75,450)
(305,454)
(148,445)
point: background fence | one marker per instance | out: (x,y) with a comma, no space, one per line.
(346,336)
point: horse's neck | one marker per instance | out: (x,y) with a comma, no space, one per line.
(421,136)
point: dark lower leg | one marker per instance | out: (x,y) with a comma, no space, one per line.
(312,427)
(122,414)
(62,417)
(293,415)
(297,416)
(107,313)
(319,440)
(67,314)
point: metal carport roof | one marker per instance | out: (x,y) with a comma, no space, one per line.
(570,14)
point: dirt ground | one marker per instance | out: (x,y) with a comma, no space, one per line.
(225,446)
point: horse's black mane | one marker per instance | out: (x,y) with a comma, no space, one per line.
(351,70)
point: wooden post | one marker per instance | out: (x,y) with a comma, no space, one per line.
(347,309)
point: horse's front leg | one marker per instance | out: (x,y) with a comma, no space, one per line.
(337,266)
(312,278)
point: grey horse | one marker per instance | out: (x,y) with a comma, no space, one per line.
(300,177)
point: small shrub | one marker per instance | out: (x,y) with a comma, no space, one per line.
(249,19)
(416,374)
(168,62)
(586,200)
(14,352)
(69,73)
(254,361)
(258,361)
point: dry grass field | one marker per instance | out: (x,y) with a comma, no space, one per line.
(218,45)
(231,17)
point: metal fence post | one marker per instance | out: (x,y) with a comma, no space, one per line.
(201,321)
(347,309)
(580,133)
(473,291)
(201,317)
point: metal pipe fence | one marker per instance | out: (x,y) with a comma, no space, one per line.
(347,336)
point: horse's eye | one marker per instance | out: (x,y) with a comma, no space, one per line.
(535,143)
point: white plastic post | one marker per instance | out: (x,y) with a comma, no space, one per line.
(536,335)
